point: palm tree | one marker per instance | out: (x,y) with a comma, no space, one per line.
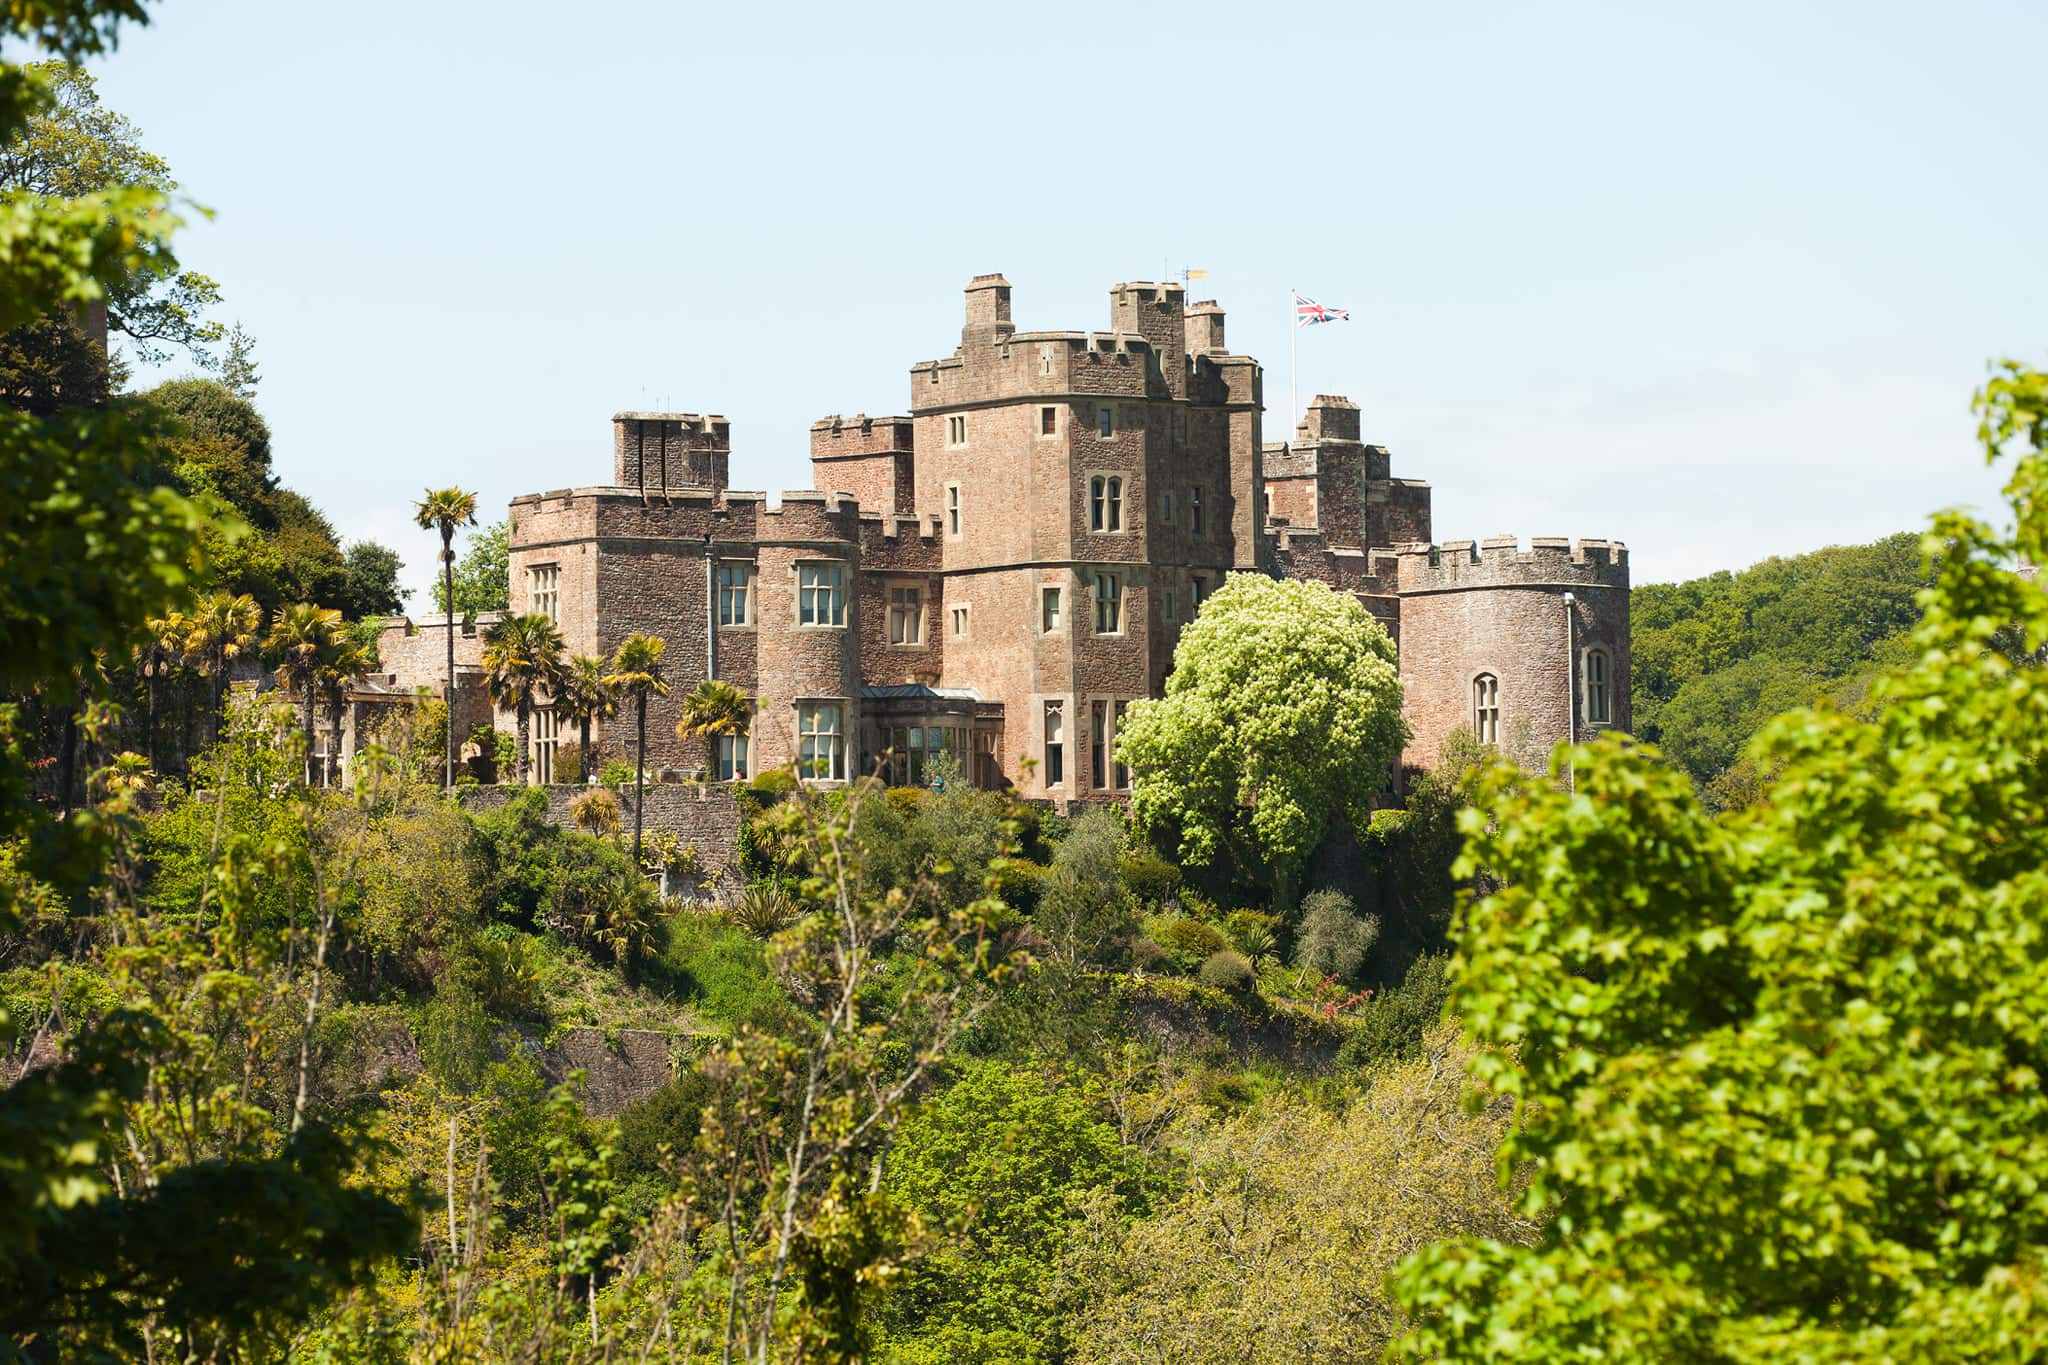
(349,662)
(711,712)
(304,640)
(636,673)
(163,649)
(522,657)
(596,813)
(585,696)
(220,631)
(444,509)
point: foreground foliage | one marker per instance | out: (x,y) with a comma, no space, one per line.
(1780,1075)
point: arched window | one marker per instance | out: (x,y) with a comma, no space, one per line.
(1486,708)
(1105,503)
(1597,709)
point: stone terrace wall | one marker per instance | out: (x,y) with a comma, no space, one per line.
(706,819)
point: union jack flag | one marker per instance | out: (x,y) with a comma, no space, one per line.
(1307,312)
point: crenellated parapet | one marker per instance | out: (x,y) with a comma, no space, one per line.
(1502,562)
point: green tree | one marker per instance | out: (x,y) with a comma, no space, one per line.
(1283,708)
(72,147)
(522,659)
(342,669)
(1277,1247)
(304,642)
(583,696)
(238,373)
(222,629)
(371,586)
(1085,906)
(1780,1074)
(1334,937)
(483,580)
(635,677)
(444,510)
(161,655)
(713,710)
(1002,1166)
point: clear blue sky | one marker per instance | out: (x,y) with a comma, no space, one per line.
(1714,280)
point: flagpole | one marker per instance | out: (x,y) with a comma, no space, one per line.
(1293,398)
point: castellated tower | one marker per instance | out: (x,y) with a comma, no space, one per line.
(1526,647)
(1091,488)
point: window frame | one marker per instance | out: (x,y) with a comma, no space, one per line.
(1052,730)
(1051,608)
(960,620)
(836,593)
(734,761)
(1105,422)
(1048,420)
(1195,509)
(545,601)
(543,737)
(1484,706)
(910,614)
(1106,503)
(1108,589)
(749,572)
(809,732)
(1098,744)
(1600,689)
(956,431)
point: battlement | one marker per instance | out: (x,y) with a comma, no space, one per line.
(1501,562)
(836,438)
(657,452)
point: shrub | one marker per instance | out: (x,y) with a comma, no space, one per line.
(720,969)
(1021,883)
(1254,932)
(1190,941)
(1334,938)
(1393,1025)
(596,812)
(1152,879)
(616,774)
(1149,956)
(568,764)
(771,786)
(669,1117)
(763,910)
(1084,907)
(1227,971)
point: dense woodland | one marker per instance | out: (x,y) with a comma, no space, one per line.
(1728,1050)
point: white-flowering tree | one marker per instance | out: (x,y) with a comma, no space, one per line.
(1284,707)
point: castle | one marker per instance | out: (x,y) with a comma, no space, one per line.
(997,575)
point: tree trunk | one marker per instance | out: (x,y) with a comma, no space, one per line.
(589,773)
(519,765)
(640,786)
(149,731)
(306,691)
(334,719)
(448,585)
(220,694)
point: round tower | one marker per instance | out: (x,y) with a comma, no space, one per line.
(1526,648)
